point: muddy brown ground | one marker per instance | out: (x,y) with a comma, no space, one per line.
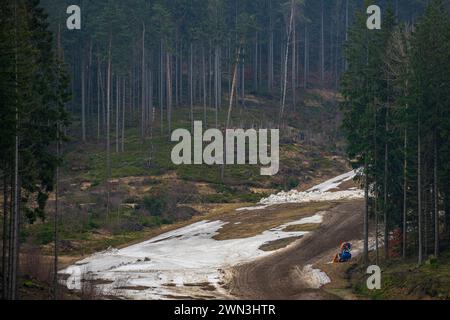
(273,277)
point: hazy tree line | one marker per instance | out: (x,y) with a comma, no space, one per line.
(397,121)
(134,62)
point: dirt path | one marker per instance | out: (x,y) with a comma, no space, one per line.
(273,277)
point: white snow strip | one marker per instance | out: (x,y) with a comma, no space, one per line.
(313,278)
(162,266)
(252,208)
(295,196)
(317,194)
(335,182)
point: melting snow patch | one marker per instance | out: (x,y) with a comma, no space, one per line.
(335,182)
(314,278)
(252,208)
(174,263)
(318,193)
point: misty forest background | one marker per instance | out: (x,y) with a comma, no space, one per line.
(99,104)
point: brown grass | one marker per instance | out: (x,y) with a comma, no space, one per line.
(278,244)
(346,185)
(307,227)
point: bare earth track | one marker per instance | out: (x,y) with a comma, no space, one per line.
(273,277)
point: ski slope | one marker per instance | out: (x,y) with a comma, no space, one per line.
(183,262)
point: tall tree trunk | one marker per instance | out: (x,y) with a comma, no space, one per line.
(161,86)
(385,199)
(405,194)
(117,112)
(322,47)
(204,84)
(56,216)
(306,57)
(98,97)
(217,79)
(230,105)
(286,57)
(191,84)
(435,195)
(16,218)
(346,29)
(270,55)
(5,238)
(294,62)
(419,190)
(366,214)
(255,72)
(169,91)
(143,125)
(122,147)
(108,125)
(83,98)
(55,227)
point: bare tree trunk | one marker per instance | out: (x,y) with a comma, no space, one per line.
(122,148)
(16,218)
(322,48)
(169,91)
(89,85)
(419,190)
(83,97)
(286,57)
(366,214)
(143,85)
(98,97)
(108,124)
(11,235)
(255,72)
(217,79)
(294,57)
(181,72)
(204,84)
(230,105)
(117,112)
(243,76)
(161,86)
(5,238)
(306,57)
(270,55)
(377,226)
(385,197)
(346,29)
(435,196)
(191,84)
(55,231)
(176,70)
(405,193)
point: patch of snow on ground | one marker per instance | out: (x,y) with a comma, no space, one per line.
(313,278)
(252,208)
(162,267)
(335,182)
(317,194)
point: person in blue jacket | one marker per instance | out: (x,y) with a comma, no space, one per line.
(345,252)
